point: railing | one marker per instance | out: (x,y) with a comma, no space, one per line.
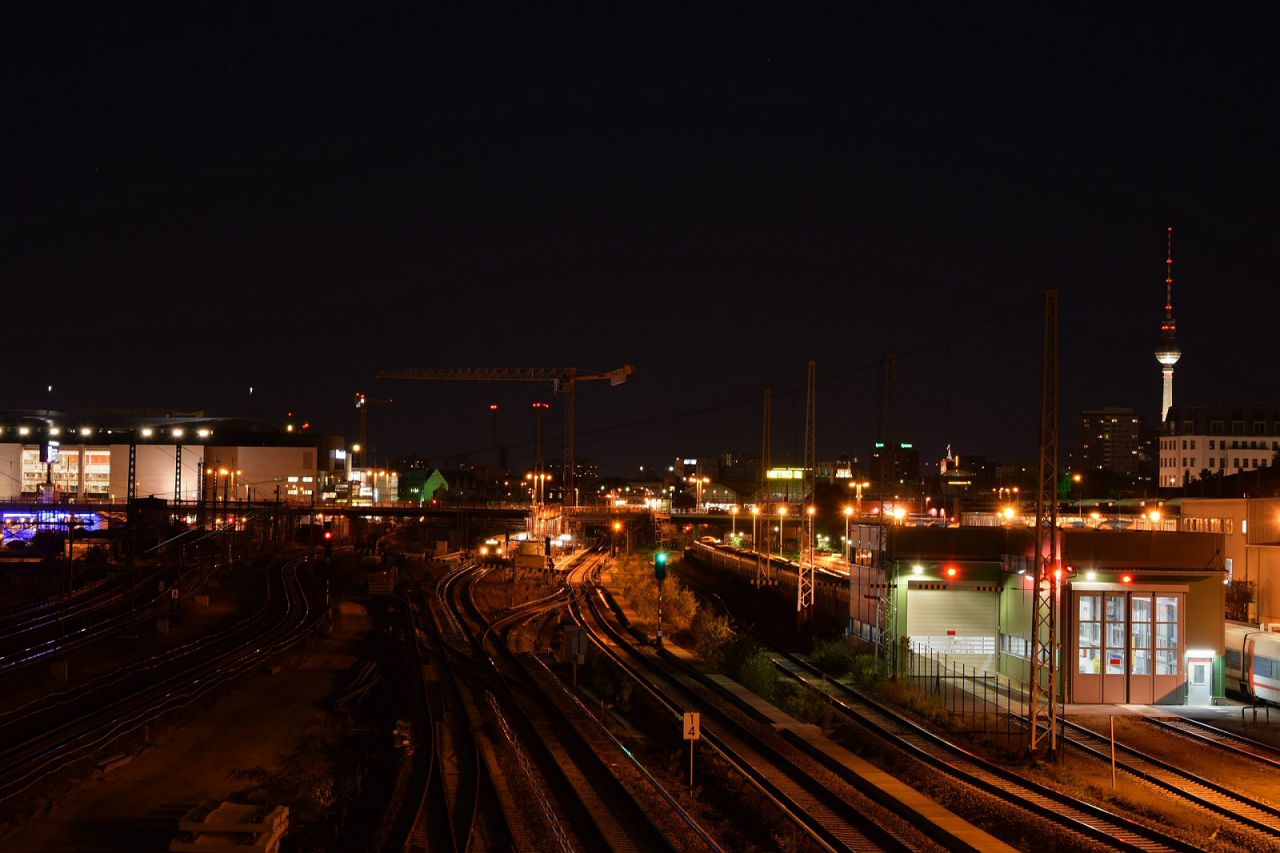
(973,698)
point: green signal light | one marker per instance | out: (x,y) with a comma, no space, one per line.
(660,558)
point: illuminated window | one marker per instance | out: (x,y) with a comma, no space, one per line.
(1090,644)
(1167,635)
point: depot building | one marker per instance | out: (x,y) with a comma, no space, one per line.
(1139,613)
(77,457)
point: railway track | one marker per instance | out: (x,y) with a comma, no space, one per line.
(1247,813)
(1209,735)
(456,806)
(95,728)
(37,638)
(1074,816)
(46,709)
(577,776)
(830,819)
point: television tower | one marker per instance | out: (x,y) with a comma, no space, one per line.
(1167,353)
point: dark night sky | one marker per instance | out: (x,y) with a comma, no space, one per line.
(200,200)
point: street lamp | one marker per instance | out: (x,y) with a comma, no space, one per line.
(848,514)
(782,519)
(733,512)
(1076,479)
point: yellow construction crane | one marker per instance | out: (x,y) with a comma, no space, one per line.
(363,402)
(563,380)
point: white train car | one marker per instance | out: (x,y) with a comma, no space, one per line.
(1253,662)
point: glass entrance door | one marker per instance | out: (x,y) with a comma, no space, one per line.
(1115,657)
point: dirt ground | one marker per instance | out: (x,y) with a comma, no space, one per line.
(263,720)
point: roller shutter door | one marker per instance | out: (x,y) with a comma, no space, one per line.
(961,623)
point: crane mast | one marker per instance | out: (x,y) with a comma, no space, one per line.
(564,380)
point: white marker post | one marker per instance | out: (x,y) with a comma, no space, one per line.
(692,733)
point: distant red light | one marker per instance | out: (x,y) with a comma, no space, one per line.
(328,534)
(1127,579)
(951,571)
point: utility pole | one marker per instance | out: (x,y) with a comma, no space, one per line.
(766,453)
(1044,627)
(888,457)
(809,486)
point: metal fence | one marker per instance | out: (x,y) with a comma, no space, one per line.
(974,699)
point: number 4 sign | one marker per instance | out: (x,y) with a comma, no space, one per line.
(692,733)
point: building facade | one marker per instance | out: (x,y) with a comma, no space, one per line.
(1140,618)
(1217,441)
(1111,440)
(1250,529)
(64,456)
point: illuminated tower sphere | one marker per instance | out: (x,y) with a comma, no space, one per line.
(1168,352)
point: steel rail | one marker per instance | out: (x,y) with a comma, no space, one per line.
(30,762)
(578,752)
(827,819)
(1205,733)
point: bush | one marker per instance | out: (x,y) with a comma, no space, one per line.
(834,657)
(756,673)
(710,635)
(640,587)
(867,670)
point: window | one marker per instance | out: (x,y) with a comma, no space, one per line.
(1090,645)
(1188,427)
(1140,633)
(1233,658)
(1237,427)
(1211,444)
(1115,634)
(1211,461)
(1184,444)
(1259,427)
(1215,427)
(1263,667)
(1193,462)
(1166,635)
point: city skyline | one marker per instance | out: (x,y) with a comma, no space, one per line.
(796,197)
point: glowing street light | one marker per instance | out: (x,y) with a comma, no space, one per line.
(782,520)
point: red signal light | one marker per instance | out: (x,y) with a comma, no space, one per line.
(951,571)
(1126,579)
(328,534)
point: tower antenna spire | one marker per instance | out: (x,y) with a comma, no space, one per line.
(1168,352)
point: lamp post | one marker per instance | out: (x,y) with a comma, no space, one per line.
(858,487)
(782,519)
(755,543)
(848,514)
(1076,479)
(733,513)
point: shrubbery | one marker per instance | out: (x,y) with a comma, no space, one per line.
(834,657)
(679,605)
(710,635)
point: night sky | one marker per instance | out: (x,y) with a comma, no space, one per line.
(201,199)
